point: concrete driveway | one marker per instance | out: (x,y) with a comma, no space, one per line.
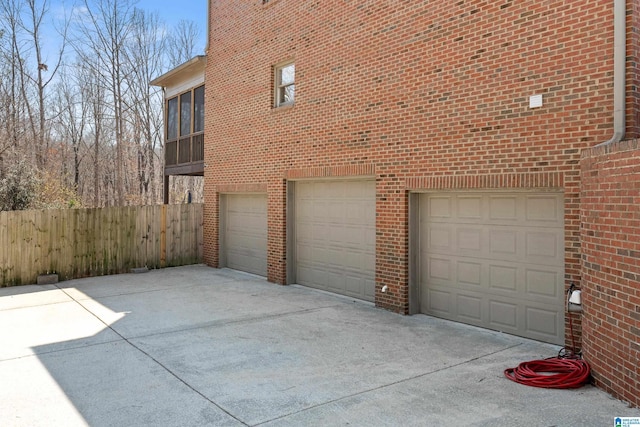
(195,346)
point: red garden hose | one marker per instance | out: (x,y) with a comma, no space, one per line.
(567,370)
(555,372)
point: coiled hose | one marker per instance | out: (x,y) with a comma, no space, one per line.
(555,372)
(567,370)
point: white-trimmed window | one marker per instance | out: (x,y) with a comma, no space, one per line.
(285,78)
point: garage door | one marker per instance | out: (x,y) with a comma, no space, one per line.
(335,236)
(244,232)
(494,260)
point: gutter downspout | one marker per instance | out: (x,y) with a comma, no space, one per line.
(619,70)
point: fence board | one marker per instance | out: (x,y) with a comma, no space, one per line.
(90,242)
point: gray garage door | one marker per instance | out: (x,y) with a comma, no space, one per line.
(335,236)
(494,260)
(243,234)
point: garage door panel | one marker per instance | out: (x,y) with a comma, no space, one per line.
(503,209)
(439,269)
(503,315)
(337,236)
(305,251)
(543,324)
(503,278)
(469,307)
(543,283)
(348,236)
(355,211)
(469,273)
(354,285)
(352,260)
(370,288)
(321,278)
(248,247)
(469,207)
(494,260)
(440,238)
(543,247)
(544,209)
(503,242)
(469,239)
(439,302)
(440,207)
(245,220)
(334,258)
(305,211)
(245,261)
(318,232)
(305,234)
(336,211)
(244,232)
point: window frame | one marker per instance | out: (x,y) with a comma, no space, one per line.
(192,109)
(167,134)
(186,113)
(197,110)
(279,87)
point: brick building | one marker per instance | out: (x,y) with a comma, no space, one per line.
(423,155)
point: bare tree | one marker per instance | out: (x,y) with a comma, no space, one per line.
(93,125)
(23,53)
(71,112)
(6,105)
(94,94)
(35,73)
(181,43)
(10,11)
(103,40)
(145,58)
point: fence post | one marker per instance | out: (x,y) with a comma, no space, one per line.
(163,237)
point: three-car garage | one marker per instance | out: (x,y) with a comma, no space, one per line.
(493,259)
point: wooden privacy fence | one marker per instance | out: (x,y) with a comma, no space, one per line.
(76,243)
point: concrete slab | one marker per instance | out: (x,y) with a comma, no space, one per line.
(470,394)
(156,307)
(49,327)
(262,369)
(126,284)
(111,384)
(30,296)
(195,346)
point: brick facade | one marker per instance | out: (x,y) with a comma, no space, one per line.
(610,235)
(420,94)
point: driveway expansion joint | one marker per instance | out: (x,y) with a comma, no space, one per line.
(383,386)
(249,319)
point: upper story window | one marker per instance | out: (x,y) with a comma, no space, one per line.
(198,109)
(285,84)
(185,114)
(172,119)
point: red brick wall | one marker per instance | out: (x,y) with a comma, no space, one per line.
(412,92)
(610,235)
(633,69)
